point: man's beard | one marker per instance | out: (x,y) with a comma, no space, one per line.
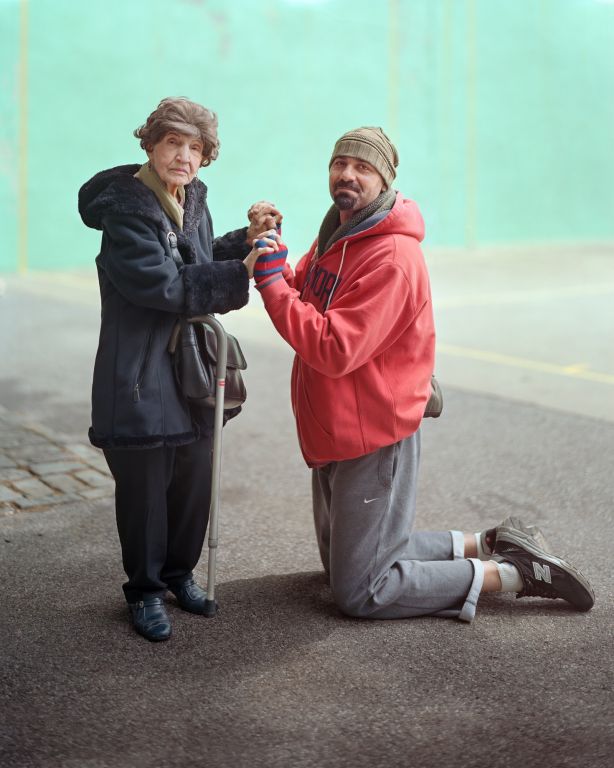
(342,200)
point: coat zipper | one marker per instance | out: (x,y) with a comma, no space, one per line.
(136,392)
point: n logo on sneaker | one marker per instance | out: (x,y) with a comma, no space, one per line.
(542,572)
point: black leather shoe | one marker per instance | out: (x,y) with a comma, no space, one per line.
(190,596)
(150,619)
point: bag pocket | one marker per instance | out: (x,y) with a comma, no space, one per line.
(235,393)
(193,349)
(434,405)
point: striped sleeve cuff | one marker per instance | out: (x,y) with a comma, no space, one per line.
(273,279)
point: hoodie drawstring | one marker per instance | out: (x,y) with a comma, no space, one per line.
(330,295)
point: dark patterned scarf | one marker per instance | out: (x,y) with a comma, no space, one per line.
(332,230)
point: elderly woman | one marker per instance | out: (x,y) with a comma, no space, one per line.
(157,448)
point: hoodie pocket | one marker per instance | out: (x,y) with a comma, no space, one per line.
(387,465)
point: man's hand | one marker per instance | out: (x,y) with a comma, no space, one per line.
(264,243)
(262,215)
(269,266)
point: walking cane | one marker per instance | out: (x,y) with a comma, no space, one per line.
(222,351)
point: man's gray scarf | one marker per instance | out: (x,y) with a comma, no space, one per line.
(331,229)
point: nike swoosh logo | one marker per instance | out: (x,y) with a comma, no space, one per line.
(368,501)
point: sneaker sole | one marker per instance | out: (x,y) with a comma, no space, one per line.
(527,543)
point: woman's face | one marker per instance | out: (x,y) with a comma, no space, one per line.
(176,159)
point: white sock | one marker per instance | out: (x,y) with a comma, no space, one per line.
(511,580)
(482,553)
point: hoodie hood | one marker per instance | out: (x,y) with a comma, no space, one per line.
(116,191)
(404,218)
(353,254)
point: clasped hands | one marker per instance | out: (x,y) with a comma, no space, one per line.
(268,254)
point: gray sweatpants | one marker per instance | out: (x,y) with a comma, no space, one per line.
(379,568)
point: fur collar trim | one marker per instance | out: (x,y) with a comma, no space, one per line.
(116,191)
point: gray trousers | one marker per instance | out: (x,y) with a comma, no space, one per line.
(379,568)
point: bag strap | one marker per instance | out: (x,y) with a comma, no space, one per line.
(174,338)
(235,357)
(172,241)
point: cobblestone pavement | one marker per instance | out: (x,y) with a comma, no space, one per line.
(40,468)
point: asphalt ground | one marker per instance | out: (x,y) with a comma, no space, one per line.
(279,677)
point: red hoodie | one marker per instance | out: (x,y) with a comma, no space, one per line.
(362,371)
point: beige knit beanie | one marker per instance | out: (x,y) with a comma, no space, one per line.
(370,144)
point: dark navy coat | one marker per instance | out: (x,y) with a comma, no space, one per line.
(135,400)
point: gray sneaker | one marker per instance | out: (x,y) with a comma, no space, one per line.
(513,523)
(543,574)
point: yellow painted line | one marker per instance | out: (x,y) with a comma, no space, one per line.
(575,371)
(254,321)
(521,297)
(22,230)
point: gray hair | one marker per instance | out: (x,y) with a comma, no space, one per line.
(184,116)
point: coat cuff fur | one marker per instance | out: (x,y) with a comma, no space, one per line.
(232,245)
(215,287)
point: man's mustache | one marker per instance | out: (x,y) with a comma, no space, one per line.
(347,185)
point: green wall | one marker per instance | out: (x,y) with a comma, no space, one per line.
(502,110)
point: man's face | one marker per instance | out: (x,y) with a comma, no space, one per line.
(353,183)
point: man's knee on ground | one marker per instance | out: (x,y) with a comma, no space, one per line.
(352,599)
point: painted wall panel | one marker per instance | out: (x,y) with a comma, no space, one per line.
(502,110)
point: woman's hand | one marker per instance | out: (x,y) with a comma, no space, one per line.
(262,215)
(271,238)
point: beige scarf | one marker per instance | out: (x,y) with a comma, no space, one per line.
(172,207)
